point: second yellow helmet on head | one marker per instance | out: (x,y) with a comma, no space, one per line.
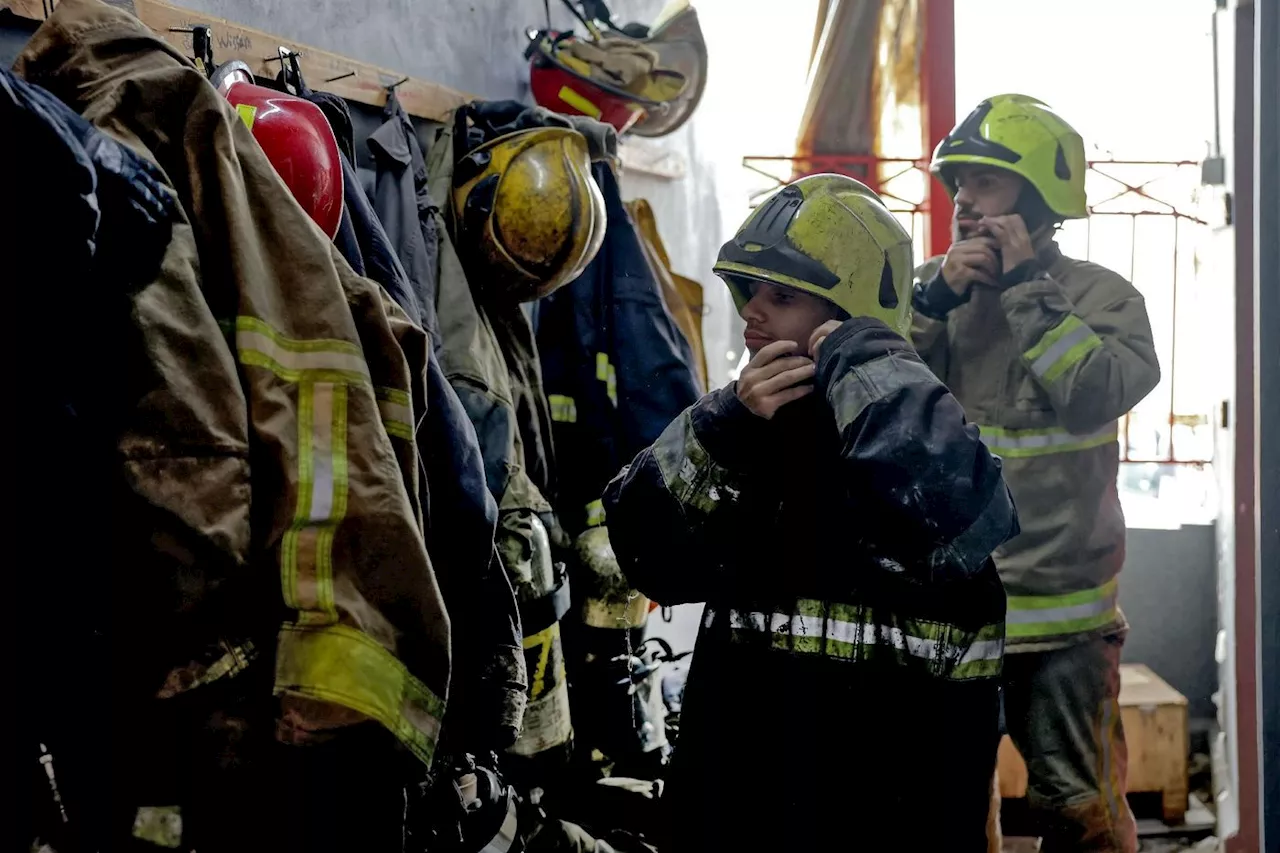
(832,237)
(527,212)
(1024,136)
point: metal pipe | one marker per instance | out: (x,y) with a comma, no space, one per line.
(1217,109)
(938,96)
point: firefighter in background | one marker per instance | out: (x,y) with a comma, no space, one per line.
(1045,353)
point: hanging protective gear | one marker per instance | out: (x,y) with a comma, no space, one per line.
(676,37)
(1026,137)
(295,136)
(830,236)
(542,591)
(615,79)
(528,211)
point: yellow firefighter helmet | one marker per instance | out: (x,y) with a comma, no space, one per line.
(528,214)
(1022,135)
(830,236)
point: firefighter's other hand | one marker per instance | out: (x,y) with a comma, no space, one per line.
(773,378)
(1015,241)
(819,335)
(973,260)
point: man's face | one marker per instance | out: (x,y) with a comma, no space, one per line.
(982,191)
(776,313)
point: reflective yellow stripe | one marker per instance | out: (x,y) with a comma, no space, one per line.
(397,412)
(338,664)
(595,513)
(306,559)
(247,113)
(1024,443)
(294,360)
(1061,348)
(853,633)
(606,373)
(1032,616)
(578,102)
(563,409)
(543,641)
(322,368)
(316,656)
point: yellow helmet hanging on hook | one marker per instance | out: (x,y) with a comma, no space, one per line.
(527,212)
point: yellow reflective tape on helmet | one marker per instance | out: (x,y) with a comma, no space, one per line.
(247,113)
(564,409)
(607,374)
(595,513)
(1025,443)
(343,666)
(578,102)
(1033,616)
(1061,348)
(396,409)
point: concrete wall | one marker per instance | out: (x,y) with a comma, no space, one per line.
(1169,594)
(477,46)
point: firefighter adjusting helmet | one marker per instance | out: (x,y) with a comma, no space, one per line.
(829,236)
(527,211)
(295,136)
(1024,136)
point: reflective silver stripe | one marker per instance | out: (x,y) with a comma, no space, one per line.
(322,452)
(1015,444)
(1060,348)
(1087,610)
(856,634)
(869,383)
(297,359)
(983,650)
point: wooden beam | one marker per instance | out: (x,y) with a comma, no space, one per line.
(257,48)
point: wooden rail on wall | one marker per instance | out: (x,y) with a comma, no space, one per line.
(258,49)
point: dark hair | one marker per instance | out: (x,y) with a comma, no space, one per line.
(1034,211)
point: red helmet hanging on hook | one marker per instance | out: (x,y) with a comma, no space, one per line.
(295,136)
(560,88)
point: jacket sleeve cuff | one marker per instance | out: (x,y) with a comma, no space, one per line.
(1027,271)
(935,299)
(857,341)
(730,432)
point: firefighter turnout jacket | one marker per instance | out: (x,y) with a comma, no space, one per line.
(853,634)
(264,513)
(1045,366)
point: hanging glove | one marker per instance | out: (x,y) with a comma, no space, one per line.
(608,601)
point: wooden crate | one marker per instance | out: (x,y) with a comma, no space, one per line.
(1155,728)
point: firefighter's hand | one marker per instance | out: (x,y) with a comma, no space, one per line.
(1015,241)
(970,261)
(772,379)
(819,335)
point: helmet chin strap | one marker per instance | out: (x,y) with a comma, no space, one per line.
(1037,216)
